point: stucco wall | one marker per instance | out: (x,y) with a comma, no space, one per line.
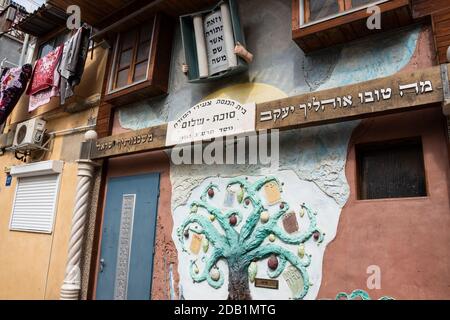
(315,155)
(406,238)
(32,265)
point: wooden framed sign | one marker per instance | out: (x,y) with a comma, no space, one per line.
(396,93)
(222,117)
(130,142)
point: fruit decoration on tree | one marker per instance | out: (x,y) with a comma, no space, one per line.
(244,242)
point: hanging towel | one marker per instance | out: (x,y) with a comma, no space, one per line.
(73,61)
(13,83)
(45,79)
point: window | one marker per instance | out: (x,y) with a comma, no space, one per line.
(47,47)
(318,24)
(391,170)
(315,10)
(132,56)
(35,203)
(140,60)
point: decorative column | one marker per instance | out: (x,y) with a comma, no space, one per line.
(71,287)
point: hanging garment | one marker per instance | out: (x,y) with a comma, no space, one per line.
(45,79)
(43,97)
(12,85)
(73,61)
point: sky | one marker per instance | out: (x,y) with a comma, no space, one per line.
(30,5)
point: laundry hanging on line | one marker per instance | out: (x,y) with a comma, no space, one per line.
(45,79)
(13,83)
(60,71)
(73,62)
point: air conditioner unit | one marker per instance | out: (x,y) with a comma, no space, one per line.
(11,14)
(29,134)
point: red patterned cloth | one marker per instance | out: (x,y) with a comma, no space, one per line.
(44,72)
(12,84)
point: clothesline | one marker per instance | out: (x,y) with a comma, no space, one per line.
(54,75)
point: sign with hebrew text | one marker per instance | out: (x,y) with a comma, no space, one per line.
(215,43)
(380,96)
(211,119)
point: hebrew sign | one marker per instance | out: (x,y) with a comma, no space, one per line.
(221,117)
(211,119)
(379,96)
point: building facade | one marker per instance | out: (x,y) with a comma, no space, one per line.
(11,40)
(34,248)
(354,199)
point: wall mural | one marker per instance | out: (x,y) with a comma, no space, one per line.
(358,295)
(254,238)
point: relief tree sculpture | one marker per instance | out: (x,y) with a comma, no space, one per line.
(243,240)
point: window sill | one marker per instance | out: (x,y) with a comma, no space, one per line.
(134,93)
(423,198)
(348,26)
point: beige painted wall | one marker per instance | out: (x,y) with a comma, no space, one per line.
(32,265)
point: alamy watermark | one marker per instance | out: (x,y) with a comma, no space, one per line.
(74,19)
(374,20)
(374,280)
(253,149)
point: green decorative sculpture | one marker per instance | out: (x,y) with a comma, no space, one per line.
(358,295)
(242,248)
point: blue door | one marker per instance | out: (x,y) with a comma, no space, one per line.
(128,238)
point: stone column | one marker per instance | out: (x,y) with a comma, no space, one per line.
(71,287)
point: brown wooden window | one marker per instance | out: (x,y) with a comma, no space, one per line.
(140,60)
(132,56)
(391,170)
(315,10)
(318,24)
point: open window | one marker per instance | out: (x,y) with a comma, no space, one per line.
(139,65)
(318,24)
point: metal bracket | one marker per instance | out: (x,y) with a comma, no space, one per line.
(23,149)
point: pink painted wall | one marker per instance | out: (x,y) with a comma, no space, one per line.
(407,238)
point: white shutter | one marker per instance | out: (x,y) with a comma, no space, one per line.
(35,203)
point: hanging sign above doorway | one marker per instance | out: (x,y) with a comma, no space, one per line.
(221,117)
(211,119)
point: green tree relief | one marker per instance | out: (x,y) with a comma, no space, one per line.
(240,249)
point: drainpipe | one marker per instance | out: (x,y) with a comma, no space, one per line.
(24,49)
(71,287)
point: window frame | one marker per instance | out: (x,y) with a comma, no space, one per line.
(345,3)
(347,26)
(49,38)
(360,148)
(113,72)
(158,73)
